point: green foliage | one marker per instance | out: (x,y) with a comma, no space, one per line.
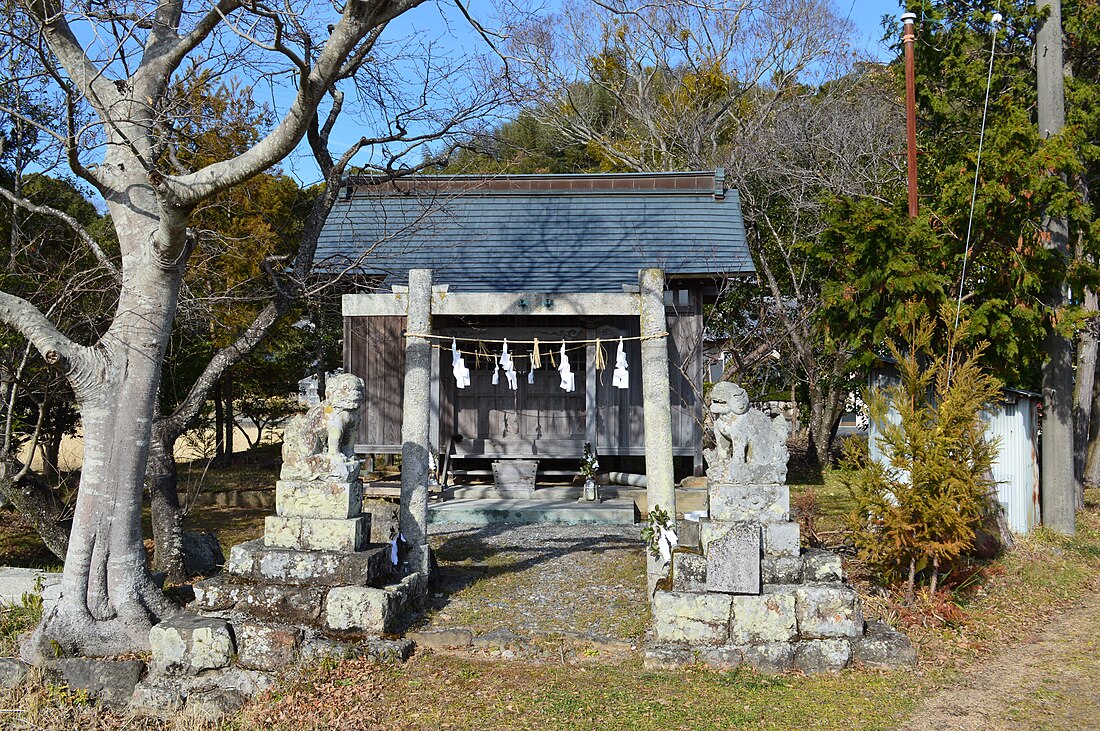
(921,505)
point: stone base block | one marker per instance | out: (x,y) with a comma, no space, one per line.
(781,570)
(701,619)
(256,562)
(764,618)
(361,609)
(384,519)
(782,539)
(883,648)
(726,657)
(668,657)
(186,644)
(770,658)
(289,604)
(768,503)
(266,646)
(689,571)
(733,557)
(109,682)
(827,610)
(318,499)
(820,566)
(822,656)
(316,534)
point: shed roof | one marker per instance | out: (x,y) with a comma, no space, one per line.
(537,233)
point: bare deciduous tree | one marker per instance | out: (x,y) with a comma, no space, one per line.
(119,60)
(771,90)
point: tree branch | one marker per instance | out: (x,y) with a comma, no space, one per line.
(72,223)
(29,321)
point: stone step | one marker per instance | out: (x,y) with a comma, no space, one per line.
(252,561)
(618,511)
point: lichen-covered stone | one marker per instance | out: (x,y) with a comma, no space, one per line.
(725,657)
(384,519)
(781,570)
(12,671)
(828,610)
(781,539)
(883,648)
(317,445)
(442,639)
(770,658)
(266,646)
(360,609)
(820,566)
(669,657)
(749,447)
(256,562)
(733,559)
(689,535)
(319,499)
(822,656)
(155,700)
(185,644)
(110,682)
(689,571)
(763,618)
(290,604)
(701,619)
(316,534)
(762,503)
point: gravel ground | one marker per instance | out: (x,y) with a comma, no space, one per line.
(538,581)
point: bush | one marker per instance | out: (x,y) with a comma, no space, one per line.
(920,505)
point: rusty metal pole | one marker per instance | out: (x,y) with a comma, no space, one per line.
(909,38)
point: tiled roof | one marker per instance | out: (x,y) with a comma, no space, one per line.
(541,233)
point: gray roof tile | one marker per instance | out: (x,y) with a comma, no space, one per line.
(528,238)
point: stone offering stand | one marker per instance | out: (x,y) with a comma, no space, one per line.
(740,589)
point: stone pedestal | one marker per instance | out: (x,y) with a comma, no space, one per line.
(314,577)
(742,591)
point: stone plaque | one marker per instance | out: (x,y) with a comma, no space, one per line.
(733,560)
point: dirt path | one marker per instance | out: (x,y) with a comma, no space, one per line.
(1051,681)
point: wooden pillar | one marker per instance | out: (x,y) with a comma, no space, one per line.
(415,421)
(656,409)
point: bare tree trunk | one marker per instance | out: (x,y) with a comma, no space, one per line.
(1092,460)
(227,385)
(164,505)
(37,501)
(219,426)
(825,411)
(1083,396)
(108,599)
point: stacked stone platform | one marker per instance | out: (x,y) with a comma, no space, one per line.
(312,580)
(742,591)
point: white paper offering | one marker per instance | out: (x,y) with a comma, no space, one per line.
(496,372)
(458,366)
(568,381)
(509,367)
(620,378)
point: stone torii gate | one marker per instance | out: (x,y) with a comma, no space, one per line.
(421,302)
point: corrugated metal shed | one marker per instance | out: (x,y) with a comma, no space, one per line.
(1016,470)
(577,233)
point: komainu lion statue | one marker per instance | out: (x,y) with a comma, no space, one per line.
(750,447)
(318,445)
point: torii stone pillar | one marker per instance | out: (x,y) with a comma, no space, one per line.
(656,404)
(415,421)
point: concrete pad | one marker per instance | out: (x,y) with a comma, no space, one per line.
(569,512)
(15,582)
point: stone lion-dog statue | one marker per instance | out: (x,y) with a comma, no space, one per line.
(319,444)
(750,447)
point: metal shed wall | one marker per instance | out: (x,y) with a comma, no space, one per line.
(1016,469)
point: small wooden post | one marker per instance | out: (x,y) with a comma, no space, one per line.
(415,421)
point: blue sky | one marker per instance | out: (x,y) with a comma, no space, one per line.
(438,21)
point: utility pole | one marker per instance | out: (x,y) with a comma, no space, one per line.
(909,38)
(1057,482)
